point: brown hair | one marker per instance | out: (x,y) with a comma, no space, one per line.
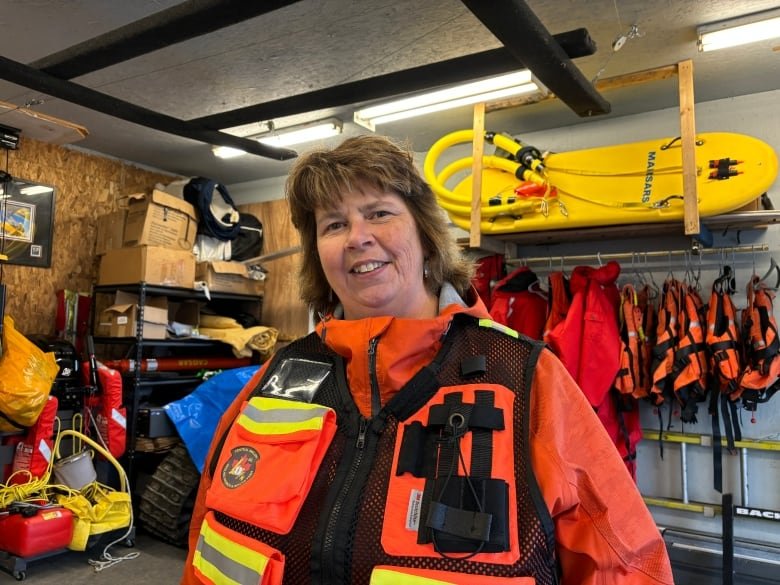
(317,181)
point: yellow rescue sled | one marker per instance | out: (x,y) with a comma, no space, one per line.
(525,190)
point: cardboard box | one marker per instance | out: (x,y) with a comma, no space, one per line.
(233,277)
(110,231)
(122,316)
(160,219)
(149,264)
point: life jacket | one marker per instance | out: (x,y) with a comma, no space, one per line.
(725,367)
(632,378)
(761,344)
(519,302)
(665,341)
(382,500)
(559,301)
(105,408)
(689,369)
(34,452)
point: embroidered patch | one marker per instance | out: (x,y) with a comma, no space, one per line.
(240,467)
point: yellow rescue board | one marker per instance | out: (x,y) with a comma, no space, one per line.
(632,183)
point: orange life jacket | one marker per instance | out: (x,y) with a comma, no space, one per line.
(761,344)
(632,378)
(725,367)
(665,341)
(689,371)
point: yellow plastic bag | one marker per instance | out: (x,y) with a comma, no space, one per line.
(26,376)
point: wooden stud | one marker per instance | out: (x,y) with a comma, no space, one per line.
(688,144)
(477,150)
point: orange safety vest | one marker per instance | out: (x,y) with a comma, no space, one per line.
(665,341)
(303,492)
(632,378)
(689,370)
(758,382)
(725,367)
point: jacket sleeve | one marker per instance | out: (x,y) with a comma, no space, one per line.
(604,532)
(199,510)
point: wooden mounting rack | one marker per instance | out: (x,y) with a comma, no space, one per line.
(684,72)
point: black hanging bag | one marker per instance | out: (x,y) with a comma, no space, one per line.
(217,214)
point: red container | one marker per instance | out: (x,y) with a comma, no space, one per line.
(49,530)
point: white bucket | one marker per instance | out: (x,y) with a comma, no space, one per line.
(75,471)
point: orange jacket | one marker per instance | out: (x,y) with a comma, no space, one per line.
(603,530)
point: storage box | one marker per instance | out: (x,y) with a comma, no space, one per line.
(121,318)
(233,277)
(160,220)
(149,264)
(110,231)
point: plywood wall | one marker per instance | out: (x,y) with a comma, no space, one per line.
(86,187)
(282,307)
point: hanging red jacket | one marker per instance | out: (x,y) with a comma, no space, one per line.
(519,302)
(588,340)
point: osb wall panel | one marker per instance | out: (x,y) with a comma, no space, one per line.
(86,187)
(282,306)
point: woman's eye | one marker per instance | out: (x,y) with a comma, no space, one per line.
(333,226)
(380,213)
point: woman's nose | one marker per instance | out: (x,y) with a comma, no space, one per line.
(359,234)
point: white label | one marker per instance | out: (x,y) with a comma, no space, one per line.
(413,511)
(121,320)
(43,447)
(117,416)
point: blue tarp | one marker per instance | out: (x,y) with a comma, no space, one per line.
(196,415)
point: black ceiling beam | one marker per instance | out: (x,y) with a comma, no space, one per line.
(161,29)
(525,37)
(575,43)
(89,98)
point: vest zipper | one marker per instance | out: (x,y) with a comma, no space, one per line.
(329,542)
(376,400)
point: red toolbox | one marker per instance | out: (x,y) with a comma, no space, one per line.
(45,531)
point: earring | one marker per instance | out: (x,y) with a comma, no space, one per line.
(330,295)
(426,270)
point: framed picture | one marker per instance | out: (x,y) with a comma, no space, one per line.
(26,222)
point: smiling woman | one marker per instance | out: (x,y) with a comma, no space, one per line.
(431,444)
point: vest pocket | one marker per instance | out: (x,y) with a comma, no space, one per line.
(386,575)
(269,461)
(223,556)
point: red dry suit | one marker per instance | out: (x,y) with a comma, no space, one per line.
(603,531)
(519,302)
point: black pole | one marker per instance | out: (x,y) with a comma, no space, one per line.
(728,539)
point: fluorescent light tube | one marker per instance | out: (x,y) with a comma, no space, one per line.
(287,136)
(469,93)
(739,31)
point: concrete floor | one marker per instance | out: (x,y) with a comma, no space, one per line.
(157,562)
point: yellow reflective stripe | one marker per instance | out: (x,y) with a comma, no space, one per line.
(224,561)
(273,416)
(389,577)
(498,327)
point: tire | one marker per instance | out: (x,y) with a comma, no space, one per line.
(167,500)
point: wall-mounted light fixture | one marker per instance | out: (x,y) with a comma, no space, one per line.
(318,130)
(493,88)
(742,30)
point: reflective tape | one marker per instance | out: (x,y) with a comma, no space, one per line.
(490,324)
(225,562)
(274,416)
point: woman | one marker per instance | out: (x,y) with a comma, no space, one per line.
(409,439)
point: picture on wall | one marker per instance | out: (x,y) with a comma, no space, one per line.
(26,222)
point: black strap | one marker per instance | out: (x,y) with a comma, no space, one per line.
(717,449)
(469,524)
(482,438)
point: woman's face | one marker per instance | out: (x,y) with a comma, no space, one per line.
(372,257)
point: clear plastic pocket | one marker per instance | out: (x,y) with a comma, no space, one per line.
(270,458)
